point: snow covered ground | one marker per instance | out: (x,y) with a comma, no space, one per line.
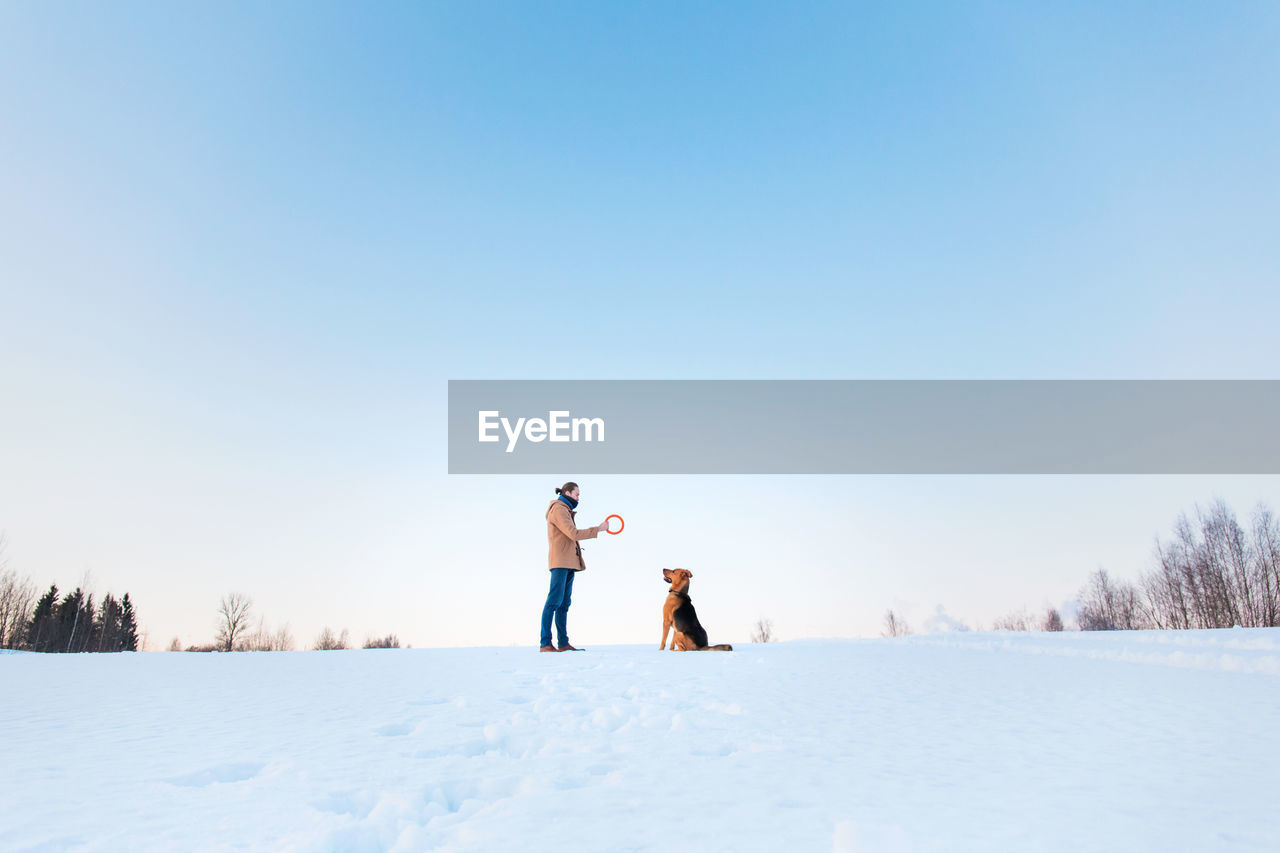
(1122,741)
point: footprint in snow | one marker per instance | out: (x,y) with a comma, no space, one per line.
(357,804)
(222,774)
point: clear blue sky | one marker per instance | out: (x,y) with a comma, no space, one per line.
(243,248)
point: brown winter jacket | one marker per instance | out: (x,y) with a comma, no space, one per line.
(563,536)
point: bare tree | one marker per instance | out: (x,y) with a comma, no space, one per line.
(175,645)
(327,641)
(1266,555)
(391,641)
(894,625)
(263,639)
(17,595)
(1108,604)
(1018,620)
(1224,563)
(1052,620)
(282,639)
(257,639)
(1215,574)
(1097,604)
(1166,593)
(233,620)
(763,631)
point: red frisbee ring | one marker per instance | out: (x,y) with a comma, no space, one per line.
(621,525)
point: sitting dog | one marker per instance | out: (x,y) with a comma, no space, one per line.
(690,636)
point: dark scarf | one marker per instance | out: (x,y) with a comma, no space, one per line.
(569,502)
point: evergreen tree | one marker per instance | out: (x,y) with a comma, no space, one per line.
(74,624)
(107,629)
(128,626)
(70,628)
(88,639)
(41,628)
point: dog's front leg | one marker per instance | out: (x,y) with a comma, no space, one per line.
(666,629)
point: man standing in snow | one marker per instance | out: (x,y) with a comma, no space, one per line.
(564,560)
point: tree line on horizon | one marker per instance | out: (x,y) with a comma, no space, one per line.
(1213,573)
(68,624)
(62,624)
(237,632)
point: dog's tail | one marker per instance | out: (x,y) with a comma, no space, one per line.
(723,647)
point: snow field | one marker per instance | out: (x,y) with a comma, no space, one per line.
(1151,741)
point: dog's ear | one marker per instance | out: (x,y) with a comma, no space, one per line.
(687,573)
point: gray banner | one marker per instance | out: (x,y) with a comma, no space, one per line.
(568,428)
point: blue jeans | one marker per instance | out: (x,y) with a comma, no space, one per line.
(557,605)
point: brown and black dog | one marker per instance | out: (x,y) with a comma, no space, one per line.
(690,636)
